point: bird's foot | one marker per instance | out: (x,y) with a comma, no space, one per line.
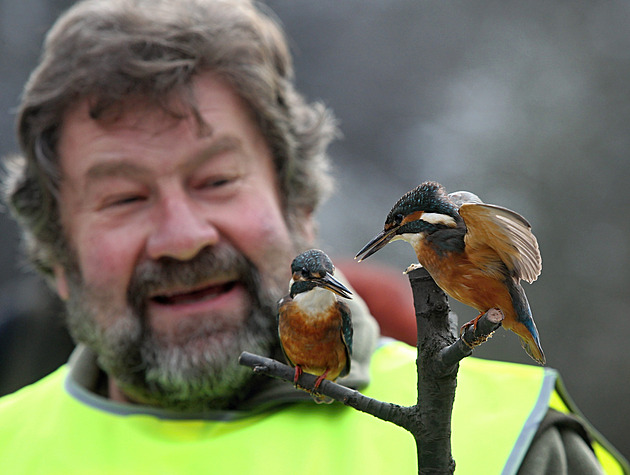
(320,398)
(319,380)
(472,339)
(472,323)
(298,373)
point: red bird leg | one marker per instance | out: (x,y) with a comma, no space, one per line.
(319,380)
(298,373)
(473,323)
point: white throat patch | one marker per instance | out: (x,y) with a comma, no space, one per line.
(315,300)
(412,238)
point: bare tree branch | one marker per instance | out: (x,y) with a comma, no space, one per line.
(350,397)
(439,354)
(473,335)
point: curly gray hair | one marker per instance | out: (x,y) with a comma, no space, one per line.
(108,50)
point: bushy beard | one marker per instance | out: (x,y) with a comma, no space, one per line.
(196,369)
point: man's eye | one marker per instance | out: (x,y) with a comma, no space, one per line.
(123,200)
(216,182)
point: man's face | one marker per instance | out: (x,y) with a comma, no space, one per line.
(179,246)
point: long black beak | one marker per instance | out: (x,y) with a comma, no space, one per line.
(379,242)
(332,284)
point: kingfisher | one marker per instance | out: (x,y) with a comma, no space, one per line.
(476,252)
(314,325)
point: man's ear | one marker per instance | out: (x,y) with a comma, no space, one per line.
(61,282)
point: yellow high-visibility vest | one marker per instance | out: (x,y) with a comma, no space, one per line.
(44,429)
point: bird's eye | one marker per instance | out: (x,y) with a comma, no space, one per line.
(399,218)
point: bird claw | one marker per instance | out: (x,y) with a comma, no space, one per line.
(494,315)
(319,398)
(298,373)
(319,380)
(472,323)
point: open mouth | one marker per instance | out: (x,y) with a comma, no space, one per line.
(193,296)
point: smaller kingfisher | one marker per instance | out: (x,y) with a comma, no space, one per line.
(314,326)
(476,252)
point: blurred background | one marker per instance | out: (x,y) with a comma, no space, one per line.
(527,104)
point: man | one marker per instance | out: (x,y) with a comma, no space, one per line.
(170,172)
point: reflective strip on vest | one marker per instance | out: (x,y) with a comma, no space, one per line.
(501,404)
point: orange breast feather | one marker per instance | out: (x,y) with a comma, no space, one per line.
(475,280)
(313,343)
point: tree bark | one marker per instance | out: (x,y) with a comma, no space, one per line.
(431,417)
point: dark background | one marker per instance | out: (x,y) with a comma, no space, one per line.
(526,104)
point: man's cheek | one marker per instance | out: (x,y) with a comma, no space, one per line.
(105,262)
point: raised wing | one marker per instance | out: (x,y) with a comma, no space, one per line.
(505,231)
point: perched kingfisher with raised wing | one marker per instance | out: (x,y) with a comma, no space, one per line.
(476,252)
(314,325)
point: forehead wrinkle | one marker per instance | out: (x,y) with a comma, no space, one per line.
(116,168)
(225,143)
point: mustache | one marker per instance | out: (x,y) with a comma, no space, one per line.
(222,263)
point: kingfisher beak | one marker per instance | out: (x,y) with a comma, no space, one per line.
(379,242)
(332,284)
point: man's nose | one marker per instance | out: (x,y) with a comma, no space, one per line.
(180,230)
